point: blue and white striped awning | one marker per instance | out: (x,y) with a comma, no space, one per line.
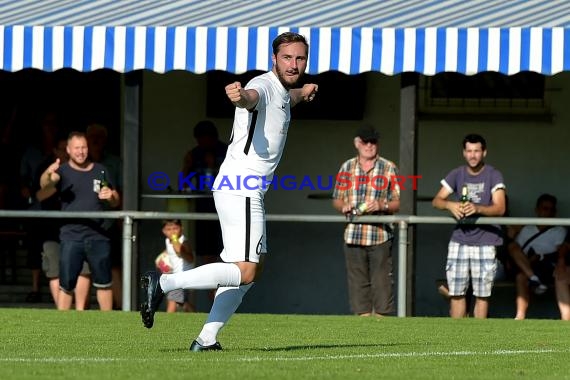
(466,36)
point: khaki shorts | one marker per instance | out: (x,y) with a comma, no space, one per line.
(50,260)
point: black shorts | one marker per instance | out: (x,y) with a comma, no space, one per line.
(544,268)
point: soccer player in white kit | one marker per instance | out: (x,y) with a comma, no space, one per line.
(258,137)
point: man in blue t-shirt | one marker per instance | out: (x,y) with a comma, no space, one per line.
(480,191)
(83,185)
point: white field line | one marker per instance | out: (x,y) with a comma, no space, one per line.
(286,359)
(405,355)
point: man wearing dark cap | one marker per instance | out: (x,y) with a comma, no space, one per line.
(366,185)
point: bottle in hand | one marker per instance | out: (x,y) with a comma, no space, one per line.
(357,211)
(103,180)
(464,197)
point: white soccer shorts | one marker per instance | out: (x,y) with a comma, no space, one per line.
(242,220)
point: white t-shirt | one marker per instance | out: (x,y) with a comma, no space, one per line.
(258,139)
(178,263)
(545,244)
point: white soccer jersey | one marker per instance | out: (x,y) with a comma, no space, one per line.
(257,141)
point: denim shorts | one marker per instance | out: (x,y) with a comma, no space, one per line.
(72,255)
(50,260)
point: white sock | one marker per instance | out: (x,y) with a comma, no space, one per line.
(535,278)
(226,302)
(209,276)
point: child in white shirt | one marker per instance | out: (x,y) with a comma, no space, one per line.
(176,257)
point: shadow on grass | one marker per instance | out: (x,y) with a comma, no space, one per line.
(324,346)
(300,348)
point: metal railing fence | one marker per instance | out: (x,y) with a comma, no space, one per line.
(402,222)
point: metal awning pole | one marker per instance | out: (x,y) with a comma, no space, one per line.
(402,267)
(127,261)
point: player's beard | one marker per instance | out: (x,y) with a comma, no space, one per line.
(283,79)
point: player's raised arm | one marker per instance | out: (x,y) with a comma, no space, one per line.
(305,94)
(241,97)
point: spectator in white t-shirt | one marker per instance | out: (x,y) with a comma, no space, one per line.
(535,253)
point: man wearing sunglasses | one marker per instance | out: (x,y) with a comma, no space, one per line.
(365,186)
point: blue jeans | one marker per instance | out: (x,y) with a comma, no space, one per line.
(73,253)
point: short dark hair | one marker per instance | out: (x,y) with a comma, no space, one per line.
(76,134)
(547,198)
(288,38)
(178,222)
(474,138)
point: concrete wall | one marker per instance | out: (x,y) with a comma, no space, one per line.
(305,272)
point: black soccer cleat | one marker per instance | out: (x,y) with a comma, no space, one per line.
(154,295)
(197,347)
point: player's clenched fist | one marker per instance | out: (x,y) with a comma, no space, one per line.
(234,92)
(241,97)
(309,91)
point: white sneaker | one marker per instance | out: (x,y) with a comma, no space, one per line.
(537,286)
(540,289)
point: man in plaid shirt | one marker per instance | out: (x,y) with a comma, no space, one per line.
(367,185)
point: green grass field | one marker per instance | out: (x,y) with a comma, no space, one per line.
(47,344)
